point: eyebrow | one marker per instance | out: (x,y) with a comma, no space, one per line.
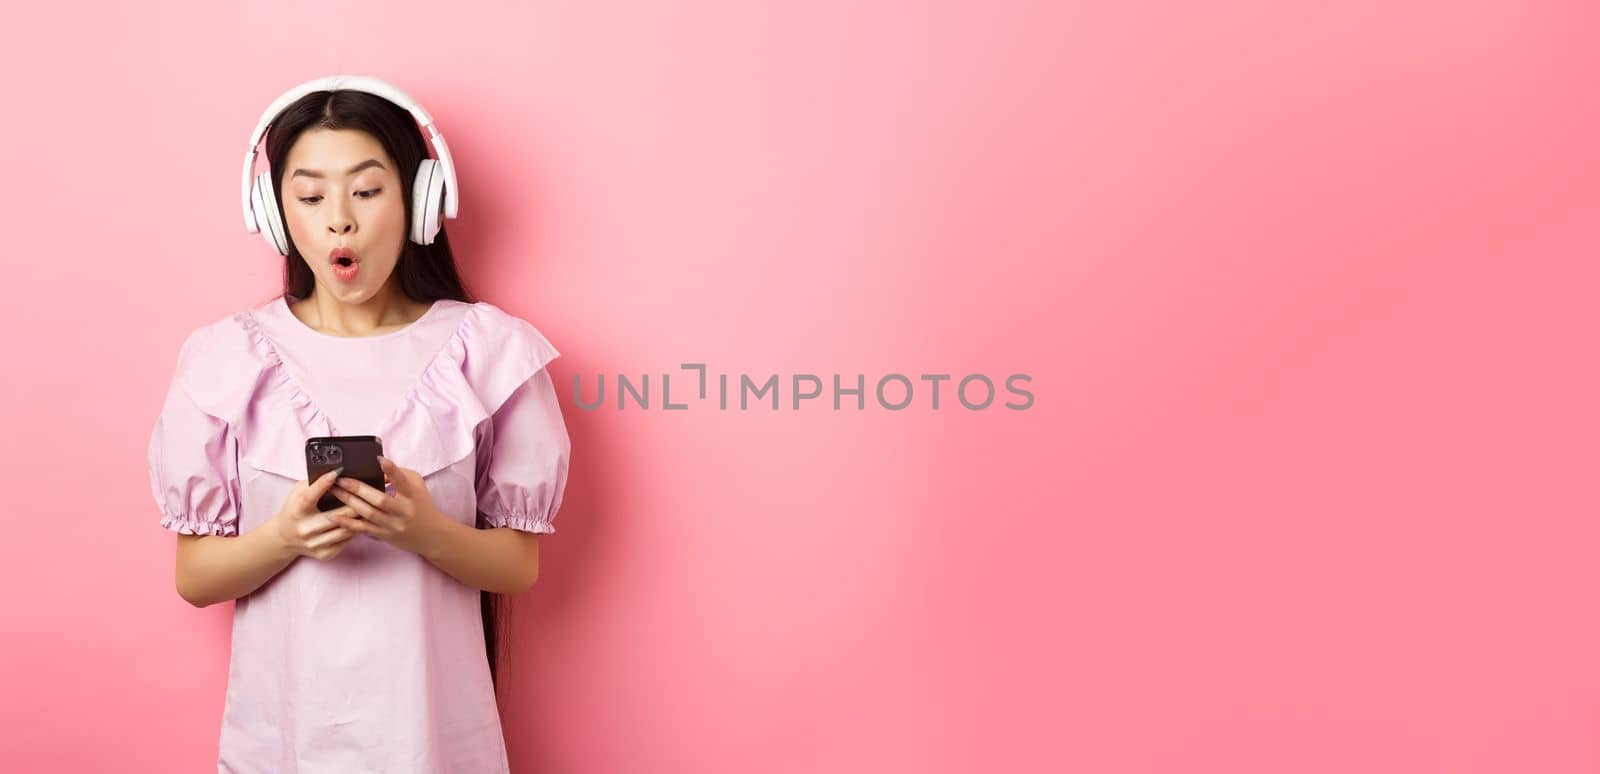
(350,171)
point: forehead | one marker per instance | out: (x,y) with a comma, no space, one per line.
(332,151)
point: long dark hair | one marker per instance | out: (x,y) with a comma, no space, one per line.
(424,272)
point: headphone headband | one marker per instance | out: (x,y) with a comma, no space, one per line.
(366,84)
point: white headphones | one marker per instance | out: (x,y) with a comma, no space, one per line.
(433,193)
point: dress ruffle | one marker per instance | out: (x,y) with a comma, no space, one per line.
(239,377)
(191,526)
(524,522)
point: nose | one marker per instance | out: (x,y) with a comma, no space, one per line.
(340,222)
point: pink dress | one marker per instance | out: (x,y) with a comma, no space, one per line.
(372,661)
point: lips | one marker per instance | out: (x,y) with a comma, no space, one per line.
(346,264)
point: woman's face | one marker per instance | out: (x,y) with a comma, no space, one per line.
(343,191)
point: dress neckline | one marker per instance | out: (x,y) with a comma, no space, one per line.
(298,392)
(301,328)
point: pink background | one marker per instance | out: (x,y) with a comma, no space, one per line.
(1306,292)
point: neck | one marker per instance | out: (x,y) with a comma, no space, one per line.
(388,308)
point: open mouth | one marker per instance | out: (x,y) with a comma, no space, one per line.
(345,263)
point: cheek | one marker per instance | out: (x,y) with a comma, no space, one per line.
(391,216)
(302,222)
(292,217)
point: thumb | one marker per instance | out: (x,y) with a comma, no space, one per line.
(324,482)
(395,474)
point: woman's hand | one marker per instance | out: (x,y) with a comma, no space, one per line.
(305,531)
(407,519)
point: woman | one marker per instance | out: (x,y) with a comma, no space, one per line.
(364,638)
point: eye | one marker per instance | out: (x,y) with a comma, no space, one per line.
(367,194)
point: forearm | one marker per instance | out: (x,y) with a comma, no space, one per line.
(216,568)
(500,560)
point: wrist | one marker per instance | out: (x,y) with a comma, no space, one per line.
(272,539)
(440,532)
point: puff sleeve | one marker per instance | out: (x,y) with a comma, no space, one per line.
(193,462)
(522,459)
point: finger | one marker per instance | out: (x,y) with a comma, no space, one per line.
(365,509)
(329,551)
(345,527)
(315,489)
(397,475)
(331,537)
(381,500)
(316,522)
(362,526)
(326,480)
(313,524)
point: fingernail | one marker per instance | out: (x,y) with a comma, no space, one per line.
(336,471)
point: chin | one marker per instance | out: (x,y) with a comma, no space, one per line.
(346,292)
(363,289)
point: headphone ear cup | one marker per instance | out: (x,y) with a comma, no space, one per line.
(427,202)
(264,203)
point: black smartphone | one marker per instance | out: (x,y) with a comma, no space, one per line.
(357,453)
